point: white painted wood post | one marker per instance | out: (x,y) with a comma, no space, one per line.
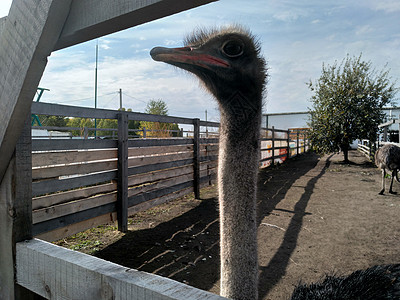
(27,38)
(15,214)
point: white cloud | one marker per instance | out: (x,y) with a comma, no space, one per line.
(388,6)
(297,37)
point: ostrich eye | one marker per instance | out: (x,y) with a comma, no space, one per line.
(233,48)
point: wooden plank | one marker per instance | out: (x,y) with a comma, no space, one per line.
(69,157)
(15,213)
(41,108)
(82,276)
(74,228)
(74,169)
(209,140)
(143,151)
(2,23)
(52,186)
(136,199)
(59,198)
(209,124)
(149,142)
(159,184)
(28,36)
(156,159)
(196,158)
(122,181)
(48,145)
(80,216)
(49,200)
(95,18)
(159,166)
(6,234)
(158,175)
(40,159)
(157,201)
(56,211)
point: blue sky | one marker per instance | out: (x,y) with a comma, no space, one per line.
(296,36)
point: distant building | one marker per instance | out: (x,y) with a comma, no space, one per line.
(300,119)
(286,120)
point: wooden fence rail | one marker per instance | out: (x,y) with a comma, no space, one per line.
(80,183)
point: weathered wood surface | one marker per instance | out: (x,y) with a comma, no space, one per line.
(15,213)
(62,144)
(122,177)
(40,159)
(28,36)
(70,157)
(2,23)
(64,197)
(52,186)
(58,273)
(91,19)
(71,229)
(40,108)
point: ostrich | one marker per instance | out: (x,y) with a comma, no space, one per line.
(388,157)
(375,283)
(229,63)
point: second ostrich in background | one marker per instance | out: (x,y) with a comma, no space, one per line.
(388,158)
(229,63)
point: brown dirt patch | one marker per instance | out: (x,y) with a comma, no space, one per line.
(316,216)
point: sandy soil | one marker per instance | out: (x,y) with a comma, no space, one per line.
(316,216)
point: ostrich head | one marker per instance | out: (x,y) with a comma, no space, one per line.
(228,62)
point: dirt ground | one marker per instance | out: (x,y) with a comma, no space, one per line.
(316,216)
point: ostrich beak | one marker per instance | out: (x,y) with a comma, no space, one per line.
(187,56)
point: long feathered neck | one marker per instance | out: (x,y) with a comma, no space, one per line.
(237,178)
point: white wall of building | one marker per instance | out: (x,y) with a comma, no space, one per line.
(300,119)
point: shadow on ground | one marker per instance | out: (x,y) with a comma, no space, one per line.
(186,248)
(271,274)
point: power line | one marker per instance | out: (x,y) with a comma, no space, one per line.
(134,98)
(88,98)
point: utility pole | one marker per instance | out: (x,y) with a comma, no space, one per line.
(206,125)
(120,99)
(95,86)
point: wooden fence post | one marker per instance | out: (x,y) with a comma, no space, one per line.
(297,143)
(288,145)
(122,184)
(273,145)
(16,214)
(196,158)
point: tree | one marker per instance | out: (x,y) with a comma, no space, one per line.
(113,124)
(347,104)
(159,107)
(81,123)
(56,121)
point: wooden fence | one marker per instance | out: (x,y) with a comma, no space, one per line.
(78,184)
(278,145)
(369,148)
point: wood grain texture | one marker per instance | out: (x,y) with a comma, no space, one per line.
(28,36)
(58,273)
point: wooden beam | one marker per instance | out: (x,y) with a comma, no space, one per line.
(2,22)
(196,158)
(15,214)
(28,36)
(58,273)
(122,178)
(90,19)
